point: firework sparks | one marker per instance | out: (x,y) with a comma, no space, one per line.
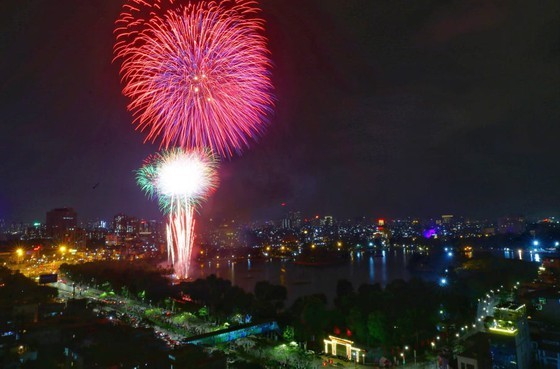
(197,75)
(180,179)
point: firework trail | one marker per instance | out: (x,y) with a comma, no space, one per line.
(197,75)
(180,179)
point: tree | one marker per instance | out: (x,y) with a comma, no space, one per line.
(377,327)
(269,298)
(288,333)
(344,295)
(203,312)
(314,318)
(357,323)
(344,288)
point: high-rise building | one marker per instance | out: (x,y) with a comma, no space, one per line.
(295,219)
(510,344)
(119,224)
(123,224)
(61,222)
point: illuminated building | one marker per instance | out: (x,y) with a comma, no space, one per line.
(61,223)
(508,332)
(120,224)
(127,226)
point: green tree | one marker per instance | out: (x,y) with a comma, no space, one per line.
(377,327)
(357,323)
(288,333)
(203,312)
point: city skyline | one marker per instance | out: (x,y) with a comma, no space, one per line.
(381,108)
(288,214)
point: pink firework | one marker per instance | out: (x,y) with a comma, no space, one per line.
(198,75)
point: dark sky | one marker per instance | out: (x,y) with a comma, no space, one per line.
(384,108)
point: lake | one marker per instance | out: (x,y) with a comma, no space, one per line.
(302,280)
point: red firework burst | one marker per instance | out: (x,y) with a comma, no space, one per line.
(197,74)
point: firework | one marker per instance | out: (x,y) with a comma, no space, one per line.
(180,179)
(197,75)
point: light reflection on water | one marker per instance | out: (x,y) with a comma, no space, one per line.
(520,254)
(304,280)
(371,270)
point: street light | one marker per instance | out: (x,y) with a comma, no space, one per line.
(19,253)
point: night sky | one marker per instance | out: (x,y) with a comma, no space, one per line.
(384,108)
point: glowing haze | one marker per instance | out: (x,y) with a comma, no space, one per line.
(184,176)
(197,75)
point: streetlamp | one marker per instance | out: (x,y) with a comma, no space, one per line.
(62,249)
(19,253)
(403,358)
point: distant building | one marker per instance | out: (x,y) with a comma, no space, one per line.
(489,231)
(447,219)
(225,235)
(112,239)
(295,218)
(61,223)
(129,227)
(514,224)
(120,224)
